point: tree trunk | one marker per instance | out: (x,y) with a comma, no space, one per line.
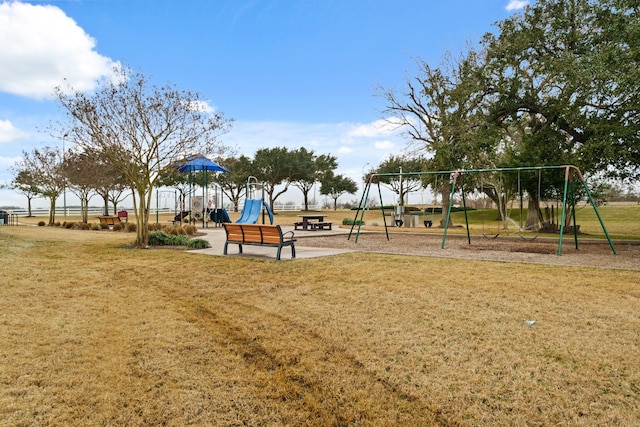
(534,214)
(52,211)
(446,202)
(106,204)
(306,200)
(141,207)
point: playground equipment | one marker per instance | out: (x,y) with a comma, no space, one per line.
(200,163)
(254,206)
(456,179)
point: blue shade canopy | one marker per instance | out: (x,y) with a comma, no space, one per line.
(200,163)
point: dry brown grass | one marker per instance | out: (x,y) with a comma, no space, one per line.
(96,334)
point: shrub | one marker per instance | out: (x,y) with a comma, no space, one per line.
(41,224)
(198,244)
(95,227)
(68,224)
(117,227)
(130,227)
(176,230)
(154,226)
(350,221)
(57,224)
(179,240)
(157,238)
(85,226)
(104,226)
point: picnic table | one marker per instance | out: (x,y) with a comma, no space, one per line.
(312,222)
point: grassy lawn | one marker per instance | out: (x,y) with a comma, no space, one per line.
(96,334)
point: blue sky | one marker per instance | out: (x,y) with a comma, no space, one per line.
(289,72)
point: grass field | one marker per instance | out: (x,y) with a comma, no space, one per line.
(96,334)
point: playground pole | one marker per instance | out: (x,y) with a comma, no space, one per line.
(593,204)
(361,207)
(466,218)
(384,219)
(454,177)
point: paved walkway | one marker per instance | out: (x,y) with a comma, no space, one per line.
(216,237)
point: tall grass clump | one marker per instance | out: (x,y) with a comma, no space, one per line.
(190,229)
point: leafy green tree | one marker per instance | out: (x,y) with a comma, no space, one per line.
(404,185)
(567,73)
(276,166)
(140,128)
(234,182)
(311,169)
(335,186)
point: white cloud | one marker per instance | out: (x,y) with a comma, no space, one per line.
(345,150)
(517,4)
(40,47)
(9,133)
(384,145)
(375,129)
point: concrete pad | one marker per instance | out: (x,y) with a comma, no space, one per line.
(216,238)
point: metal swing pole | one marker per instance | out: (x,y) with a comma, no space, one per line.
(454,177)
(466,218)
(384,219)
(361,208)
(595,209)
(564,207)
(573,212)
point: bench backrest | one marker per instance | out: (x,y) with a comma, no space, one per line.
(254,233)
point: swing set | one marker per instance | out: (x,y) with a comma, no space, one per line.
(572,176)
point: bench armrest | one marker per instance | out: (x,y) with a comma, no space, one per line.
(284,235)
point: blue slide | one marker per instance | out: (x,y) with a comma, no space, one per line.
(251,211)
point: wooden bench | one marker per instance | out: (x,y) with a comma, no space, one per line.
(109,220)
(325,225)
(258,235)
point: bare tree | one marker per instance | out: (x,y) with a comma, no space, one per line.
(45,166)
(79,170)
(141,129)
(24,182)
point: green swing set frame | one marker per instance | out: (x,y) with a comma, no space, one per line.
(571,175)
